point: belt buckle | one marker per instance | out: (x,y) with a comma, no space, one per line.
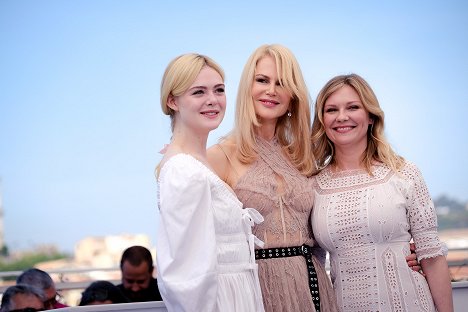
(305,249)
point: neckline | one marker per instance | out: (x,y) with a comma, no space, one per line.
(226,186)
(350,172)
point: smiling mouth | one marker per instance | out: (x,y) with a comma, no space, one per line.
(343,129)
(210,113)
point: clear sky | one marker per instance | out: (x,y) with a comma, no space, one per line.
(80,119)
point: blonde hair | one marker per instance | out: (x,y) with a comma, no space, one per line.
(292,131)
(180,74)
(378,149)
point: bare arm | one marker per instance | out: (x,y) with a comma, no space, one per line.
(438,278)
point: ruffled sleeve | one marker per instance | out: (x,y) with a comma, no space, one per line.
(186,244)
(422,215)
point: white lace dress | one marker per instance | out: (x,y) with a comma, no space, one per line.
(205,247)
(365,223)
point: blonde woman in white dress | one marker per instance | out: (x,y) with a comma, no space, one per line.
(369,203)
(205,246)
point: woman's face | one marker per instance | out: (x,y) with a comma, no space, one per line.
(202,106)
(345,119)
(271,100)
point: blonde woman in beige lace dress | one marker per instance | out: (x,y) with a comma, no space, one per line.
(369,203)
(267,160)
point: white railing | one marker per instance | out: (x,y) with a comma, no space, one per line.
(460,295)
(460,299)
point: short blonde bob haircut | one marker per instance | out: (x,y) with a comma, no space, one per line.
(179,76)
(292,132)
(378,149)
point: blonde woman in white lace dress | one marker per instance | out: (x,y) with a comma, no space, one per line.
(205,247)
(369,203)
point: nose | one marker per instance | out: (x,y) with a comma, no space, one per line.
(212,99)
(342,115)
(271,89)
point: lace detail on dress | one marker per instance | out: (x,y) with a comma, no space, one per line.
(422,215)
(284,197)
(422,301)
(366,223)
(352,179)
(393,280)
(281,194)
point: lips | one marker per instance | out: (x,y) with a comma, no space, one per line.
(269,103)
(210,113)
(343,129)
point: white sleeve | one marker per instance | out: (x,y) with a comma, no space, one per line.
(186,242)
(422,215)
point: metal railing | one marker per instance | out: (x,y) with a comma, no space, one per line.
(460,289)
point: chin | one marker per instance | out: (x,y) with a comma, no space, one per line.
(213,126)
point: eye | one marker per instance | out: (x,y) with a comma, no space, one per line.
(219,90)
(197,92)
(261,80)
(330,110)
(354,107)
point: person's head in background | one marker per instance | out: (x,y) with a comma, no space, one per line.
(22,297)
(273,100)
(137,269)
(102,292)
(180,99)
(43,281)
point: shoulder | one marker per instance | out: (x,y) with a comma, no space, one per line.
(410,170)
(220,157)
(222,150)
(181,167)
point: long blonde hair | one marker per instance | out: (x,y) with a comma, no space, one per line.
(378,149)
(292,131)
(179,76)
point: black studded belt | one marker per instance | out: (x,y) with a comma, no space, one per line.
(306,252)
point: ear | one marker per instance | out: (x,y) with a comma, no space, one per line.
(171,102)
(371,121)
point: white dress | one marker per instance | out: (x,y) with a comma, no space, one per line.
(205,246)
(365,223)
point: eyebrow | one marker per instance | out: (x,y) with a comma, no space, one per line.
(205,87)
(347,103)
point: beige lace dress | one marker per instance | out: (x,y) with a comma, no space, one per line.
(366,223)
(284,197)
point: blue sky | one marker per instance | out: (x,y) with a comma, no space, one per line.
(80,119)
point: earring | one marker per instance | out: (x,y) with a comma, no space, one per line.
(289,114)
(327,159)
